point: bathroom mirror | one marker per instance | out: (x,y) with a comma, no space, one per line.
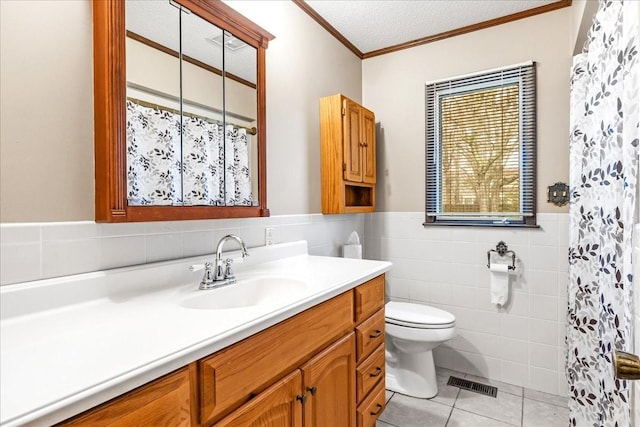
(179,111)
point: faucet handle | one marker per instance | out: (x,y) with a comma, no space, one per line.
(207,279)
(228,273)
(198,267)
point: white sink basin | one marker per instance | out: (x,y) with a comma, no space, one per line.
(247,293)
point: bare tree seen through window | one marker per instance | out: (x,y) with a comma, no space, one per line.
(480,151)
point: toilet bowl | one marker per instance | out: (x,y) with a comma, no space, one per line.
(412,332)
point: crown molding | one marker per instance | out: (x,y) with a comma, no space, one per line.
(428,39)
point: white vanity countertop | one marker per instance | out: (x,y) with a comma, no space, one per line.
(71,343)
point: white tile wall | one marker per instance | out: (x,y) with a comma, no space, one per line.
(38,251)
(521,343)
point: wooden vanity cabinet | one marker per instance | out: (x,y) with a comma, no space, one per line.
(348,156)
(279,405)
(330,386)
(322,367)
(370,351)
(236,374)
(168,401)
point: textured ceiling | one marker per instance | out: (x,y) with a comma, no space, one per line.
(158,21)
(376,24)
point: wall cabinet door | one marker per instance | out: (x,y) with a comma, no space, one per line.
(352,141)
(329,385)
(279,405)
(368,147)
(359,143)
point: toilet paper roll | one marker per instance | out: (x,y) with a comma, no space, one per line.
(499,283)
(352,251)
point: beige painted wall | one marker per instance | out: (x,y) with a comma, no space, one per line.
(393,87)
(159,71)
(582,12)
(47,106)
(304,63)
(46,111)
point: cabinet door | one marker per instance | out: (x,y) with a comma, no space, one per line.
(164,402)
(279,405)
(368,147)
(352,144)
(329,384)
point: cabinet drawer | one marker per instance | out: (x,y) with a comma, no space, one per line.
(369,335)
(234,375)
(369,298)
(163,402)
(369,410)
(369,373)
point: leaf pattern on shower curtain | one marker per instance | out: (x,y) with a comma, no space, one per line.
(605,92)
(237,172)
(241,165)
(202,170)
(153,157)
(203,162)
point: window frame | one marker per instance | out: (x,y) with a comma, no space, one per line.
(524,76)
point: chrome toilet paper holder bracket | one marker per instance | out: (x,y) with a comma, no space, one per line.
(502,249)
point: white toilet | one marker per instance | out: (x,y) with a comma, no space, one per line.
(413,331)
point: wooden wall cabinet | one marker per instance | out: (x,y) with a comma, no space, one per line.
(348,156)
(322,367)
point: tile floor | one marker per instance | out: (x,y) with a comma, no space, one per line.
(453,407)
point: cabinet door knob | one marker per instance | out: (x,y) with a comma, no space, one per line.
(302,398)
(377,372)
(312,390)
(378,410)
(376,334)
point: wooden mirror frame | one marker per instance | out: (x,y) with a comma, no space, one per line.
(110,86)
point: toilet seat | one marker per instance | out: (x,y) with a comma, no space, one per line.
(418,316)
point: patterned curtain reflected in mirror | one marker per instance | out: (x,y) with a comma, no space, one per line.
(197,171)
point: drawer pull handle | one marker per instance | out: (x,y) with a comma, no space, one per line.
(376,334)
(312,390)
(378,372)
(302,398)
(378,411)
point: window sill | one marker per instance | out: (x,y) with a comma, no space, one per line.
(478,224)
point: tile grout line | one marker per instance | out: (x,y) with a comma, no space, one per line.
(522,410)
(452,406)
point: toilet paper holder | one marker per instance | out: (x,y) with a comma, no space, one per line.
(502,249)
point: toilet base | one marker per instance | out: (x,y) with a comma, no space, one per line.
(416,378)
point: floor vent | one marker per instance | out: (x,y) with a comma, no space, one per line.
(487,390)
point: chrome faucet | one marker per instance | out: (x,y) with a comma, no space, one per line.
(219,273)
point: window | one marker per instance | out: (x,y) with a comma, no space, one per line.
(480,148)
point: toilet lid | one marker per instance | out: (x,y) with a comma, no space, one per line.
(417,315)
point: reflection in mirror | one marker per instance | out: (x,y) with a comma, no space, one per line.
(241,150)
(153,104)
(203,119)
(189,130)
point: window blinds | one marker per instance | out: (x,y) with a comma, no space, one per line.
(480,147)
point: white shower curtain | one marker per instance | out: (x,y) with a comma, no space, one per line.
(237,172)
(201,169)
(203,161)
(605,91)
(153,157)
